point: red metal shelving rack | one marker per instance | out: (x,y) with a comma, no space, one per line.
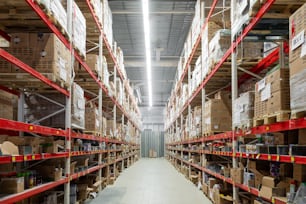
(9,125)
(275,127)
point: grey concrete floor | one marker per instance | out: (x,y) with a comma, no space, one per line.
(151,181)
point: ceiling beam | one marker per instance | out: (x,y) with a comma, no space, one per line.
(141,63)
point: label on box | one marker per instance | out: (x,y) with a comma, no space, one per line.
(266,92)
(297,40)
(207,121)
(62,69)
(303,51)
(261,84)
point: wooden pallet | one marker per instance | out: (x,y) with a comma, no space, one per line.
(295,114)
(95,133)
(206,134)
(272,118)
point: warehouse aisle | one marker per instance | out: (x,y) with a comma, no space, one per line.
(151,181)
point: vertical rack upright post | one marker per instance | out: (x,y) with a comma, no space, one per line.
(68,107)
(234,83)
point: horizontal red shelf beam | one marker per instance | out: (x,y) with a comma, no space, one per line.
(31,157)
(24,127)
(275,127)
(10,58)
(32,191)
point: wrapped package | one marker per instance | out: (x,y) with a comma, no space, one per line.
(97,6)
(79,30)
(298,92)
(77,107)
(57,11)
(244,110)
(243,13)
(218,45)
(108,22)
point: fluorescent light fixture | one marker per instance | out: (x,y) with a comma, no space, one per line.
(146,26)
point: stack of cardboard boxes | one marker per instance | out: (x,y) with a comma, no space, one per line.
(44,52)
(272,95)
(297,60)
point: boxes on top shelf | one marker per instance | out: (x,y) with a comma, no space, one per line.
(97,6)
(244,11)
(196,23)
(297,59)
(56,10)
(272,95)
(79,30)
(107,22)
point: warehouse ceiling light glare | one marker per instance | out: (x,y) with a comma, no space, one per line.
(146,25)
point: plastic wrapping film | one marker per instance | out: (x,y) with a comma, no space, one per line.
(77,107)
(242,16)
(97,6)
(56,9)
(108,22)
(218,45)
(79,30)
(244,110)
(298,91)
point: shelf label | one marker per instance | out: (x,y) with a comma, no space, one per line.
(297,40)
(258,156)
(277,158)
(33,157)
(273,200)
(25,158)
(292,159)
(13,159)
(261,84)
(269,157)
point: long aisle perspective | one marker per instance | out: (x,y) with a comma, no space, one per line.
(151,181)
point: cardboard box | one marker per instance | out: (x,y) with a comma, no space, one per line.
(212,182)
(237,175)
(217,118)
(93,62)
(49,173)
(268,181)
(302,136)
(299,172)
(205,188)
(272,94)
(268,192)
(6,105)
(11,185)
(286,170)
(92,120)
(297,25)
